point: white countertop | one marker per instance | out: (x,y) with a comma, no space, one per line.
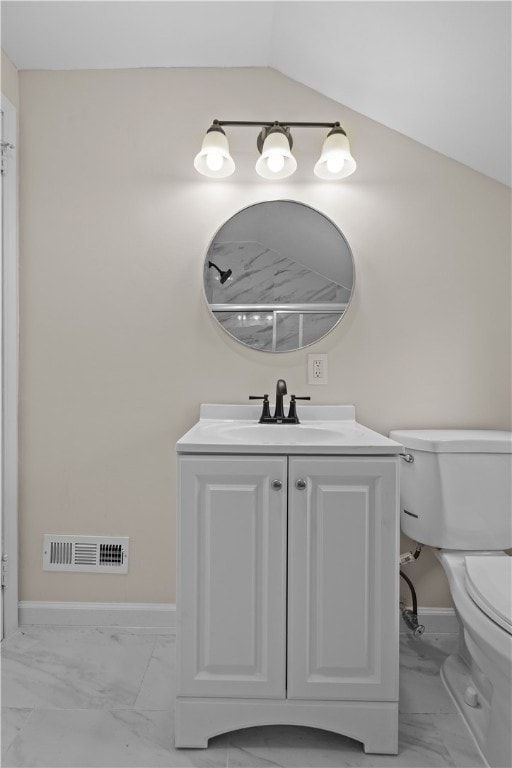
(323,430)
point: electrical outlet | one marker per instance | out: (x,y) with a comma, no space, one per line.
(317,369)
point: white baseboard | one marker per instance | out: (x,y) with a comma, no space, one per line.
(163,615)
(160,615)
(437,620)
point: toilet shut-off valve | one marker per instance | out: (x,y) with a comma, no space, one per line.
(411,620)
(409,616)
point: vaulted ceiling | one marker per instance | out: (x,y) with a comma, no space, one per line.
(438,72)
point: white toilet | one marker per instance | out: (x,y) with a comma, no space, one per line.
(456,496)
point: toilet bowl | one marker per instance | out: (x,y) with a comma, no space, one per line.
(479,676)
(456,497)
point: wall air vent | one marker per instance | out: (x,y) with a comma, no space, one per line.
(89,554)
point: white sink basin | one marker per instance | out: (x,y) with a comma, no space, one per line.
(323,430)
(276,434)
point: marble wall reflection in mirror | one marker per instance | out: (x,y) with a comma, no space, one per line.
(278,275)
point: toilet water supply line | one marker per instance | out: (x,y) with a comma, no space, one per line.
(409,616)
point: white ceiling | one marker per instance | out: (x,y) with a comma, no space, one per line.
(439,72)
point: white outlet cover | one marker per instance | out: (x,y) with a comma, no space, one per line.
(317,363)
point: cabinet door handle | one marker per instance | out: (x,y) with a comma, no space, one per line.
(276,485)
(300,484)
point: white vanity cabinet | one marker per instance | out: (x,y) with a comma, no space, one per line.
(232,576)
(288,595)
(342,579)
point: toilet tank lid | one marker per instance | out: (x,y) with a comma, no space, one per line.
(455,440)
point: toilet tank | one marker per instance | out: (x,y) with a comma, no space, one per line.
(457,493)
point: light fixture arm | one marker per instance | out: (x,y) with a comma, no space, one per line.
(270,124)
(282,126)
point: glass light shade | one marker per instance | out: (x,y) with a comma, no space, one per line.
(214,159)
(335,162)
(276,160)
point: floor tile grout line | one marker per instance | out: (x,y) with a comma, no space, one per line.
(19,733)
(151,655)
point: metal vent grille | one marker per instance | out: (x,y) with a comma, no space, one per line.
(85,554)
(61,553)
(111,554)
(90,554)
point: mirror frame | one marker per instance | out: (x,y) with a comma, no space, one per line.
(281,309)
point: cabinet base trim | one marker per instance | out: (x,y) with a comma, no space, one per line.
(375,724)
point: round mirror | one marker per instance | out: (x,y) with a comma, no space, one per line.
(278,276)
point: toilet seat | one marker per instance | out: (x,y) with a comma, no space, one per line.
(488,580)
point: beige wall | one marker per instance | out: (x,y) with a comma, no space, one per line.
(118,348)
(10,86)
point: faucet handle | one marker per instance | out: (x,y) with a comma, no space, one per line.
(292,413)
(265,413)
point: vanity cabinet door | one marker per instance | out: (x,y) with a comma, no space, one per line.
(343,578)
(232,576)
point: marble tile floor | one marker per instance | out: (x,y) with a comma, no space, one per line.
(84,697)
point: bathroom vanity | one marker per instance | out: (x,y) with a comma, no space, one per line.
(287,576)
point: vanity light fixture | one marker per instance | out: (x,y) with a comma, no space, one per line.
(274,143)
(275,147)
(214,159)
(335,162)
